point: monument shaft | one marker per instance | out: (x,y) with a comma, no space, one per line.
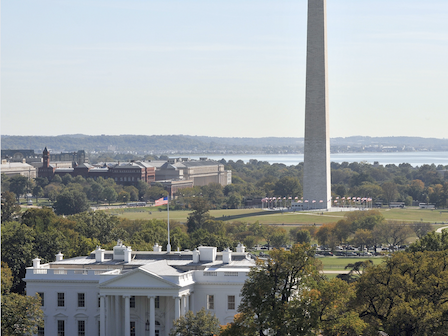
(316,179)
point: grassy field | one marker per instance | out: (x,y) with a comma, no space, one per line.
(287,218)
(339,263)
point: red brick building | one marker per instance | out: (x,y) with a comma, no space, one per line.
(127,173)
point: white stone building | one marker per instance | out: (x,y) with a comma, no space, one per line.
(124,292)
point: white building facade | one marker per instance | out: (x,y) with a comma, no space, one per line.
(123,292)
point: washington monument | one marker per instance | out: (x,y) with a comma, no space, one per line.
(316,178)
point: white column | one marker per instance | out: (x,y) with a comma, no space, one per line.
(117,315)
(182,305)
(152,316)
(127,316)
(108,315)
(102,316)
(187,301)
(176,308)
(167,316)
(192,302)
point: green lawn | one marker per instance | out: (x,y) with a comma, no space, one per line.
(339,263)
(287,218)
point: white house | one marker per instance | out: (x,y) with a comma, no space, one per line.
(125,292)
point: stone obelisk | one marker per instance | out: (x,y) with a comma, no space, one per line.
(316,178)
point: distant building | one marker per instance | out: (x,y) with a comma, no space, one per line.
(18,168)
(174,174)
(201,172)
(128,173)
(36,159)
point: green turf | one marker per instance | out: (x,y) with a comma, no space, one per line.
(287,218)
(339,263)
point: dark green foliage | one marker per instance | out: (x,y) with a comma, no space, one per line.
(71,202)
(200,214)
(431,242)
(9,206)
(17,251)
(18,184)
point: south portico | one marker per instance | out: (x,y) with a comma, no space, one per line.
(141,302)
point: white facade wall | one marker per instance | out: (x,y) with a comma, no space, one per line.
(115,282)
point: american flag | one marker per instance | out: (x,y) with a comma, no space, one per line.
(161,201)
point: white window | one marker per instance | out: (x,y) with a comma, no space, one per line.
(157,302)
(231,302)
(132,302)
(40,331)
(61,300)
(210,302)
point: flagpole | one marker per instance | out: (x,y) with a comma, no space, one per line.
(168,246)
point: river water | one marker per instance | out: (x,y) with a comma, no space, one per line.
(413,158)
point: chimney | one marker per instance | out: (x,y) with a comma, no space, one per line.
(227,256)
(99,254)
(241,248)
(36,263)
(128,254)
(59,256)
(196,255)
(157,248)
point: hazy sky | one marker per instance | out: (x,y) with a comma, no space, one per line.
(220,67)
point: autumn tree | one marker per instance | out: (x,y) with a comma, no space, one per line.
(275,294)
(21,314)
(203,323)
(405,295)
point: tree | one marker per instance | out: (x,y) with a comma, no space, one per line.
(202,323)
(275,296)
(421,229)
(110,194)
(300,236)
(395,233)
(288,186)
(123,196)
(431,242)
(389,191)
(17,251)
(38,192)
(96,192)
(405,295)
(200,214)
(21,315)
(156,192)
(234,200)
(71,202)
(9,206)
(18,185)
